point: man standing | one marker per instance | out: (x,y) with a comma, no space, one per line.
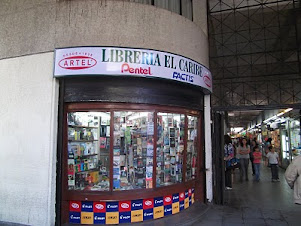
(293,178)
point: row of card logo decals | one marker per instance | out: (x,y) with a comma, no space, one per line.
(88,212)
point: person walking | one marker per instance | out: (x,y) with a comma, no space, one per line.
(257,162)
(293,178)
(252,146)
(273,160)
(244,151)
(228,155)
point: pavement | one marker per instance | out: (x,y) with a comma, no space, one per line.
(248,203)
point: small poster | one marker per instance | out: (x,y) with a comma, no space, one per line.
(116,161)
(150,128)
(172,132)
(149,161)
(150,150)
(149,183)
(122,160)
(116,184)
(116,151)
(127,135)
(102,141)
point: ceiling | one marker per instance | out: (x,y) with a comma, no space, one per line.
(241,118)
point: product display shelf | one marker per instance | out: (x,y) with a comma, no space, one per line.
(80,126)
(89,170)
(82,140)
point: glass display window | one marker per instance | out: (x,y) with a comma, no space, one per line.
(88,151)
(117,150)
(170,148)
(192,147)
(133,149)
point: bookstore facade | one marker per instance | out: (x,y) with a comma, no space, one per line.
(132,135)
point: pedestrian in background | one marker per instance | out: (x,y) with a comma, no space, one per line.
(293,178)
(228,156)
(273,160)
(257,162)
(244,150)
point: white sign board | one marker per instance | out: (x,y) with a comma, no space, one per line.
(130,62)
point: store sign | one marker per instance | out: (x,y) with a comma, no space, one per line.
(130,62)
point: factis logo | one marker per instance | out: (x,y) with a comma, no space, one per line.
(77,61)
(99,206)
(75,205)
(207,79)
(148,203)
(125,205)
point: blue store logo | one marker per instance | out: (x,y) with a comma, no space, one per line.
(74,217)
(87,206)
(125,217)
(158,201)
(148,214)
(175,198)
(137,204)
(99,218)
(167,210)
(112,206)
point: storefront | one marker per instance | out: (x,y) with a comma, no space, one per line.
(132,135)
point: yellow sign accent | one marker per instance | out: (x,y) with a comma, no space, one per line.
(86,218)
(136,216)
(186,203)
(112,217)
(158,212)
(175,207)
(192,198)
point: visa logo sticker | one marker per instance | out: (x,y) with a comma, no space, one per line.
(99,207)
(182,205)
(125,217)
(148,204)
(124,206)
(99,218)
(175,198)
(75,206)
(112,218)
(158,201)
(182,196)
(167,210)
(137,204)
(74,217)
(137,215)
(158,212)
(112,206)
(167,200)
(87,206)
(148,214)
(175,207)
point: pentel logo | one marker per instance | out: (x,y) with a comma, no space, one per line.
(75,205)
(125,205)
(77,62)
(167,199)
(148,203)
(132,70)
(99,206)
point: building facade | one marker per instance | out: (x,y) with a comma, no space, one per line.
(57,126)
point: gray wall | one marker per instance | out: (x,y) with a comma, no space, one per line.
(34,26)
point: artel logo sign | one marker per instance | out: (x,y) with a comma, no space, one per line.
(125,205)
(75,205)
(148,203)
(167,199)
(77,62)
(99,206)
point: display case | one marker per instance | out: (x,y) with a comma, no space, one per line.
(122,156)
